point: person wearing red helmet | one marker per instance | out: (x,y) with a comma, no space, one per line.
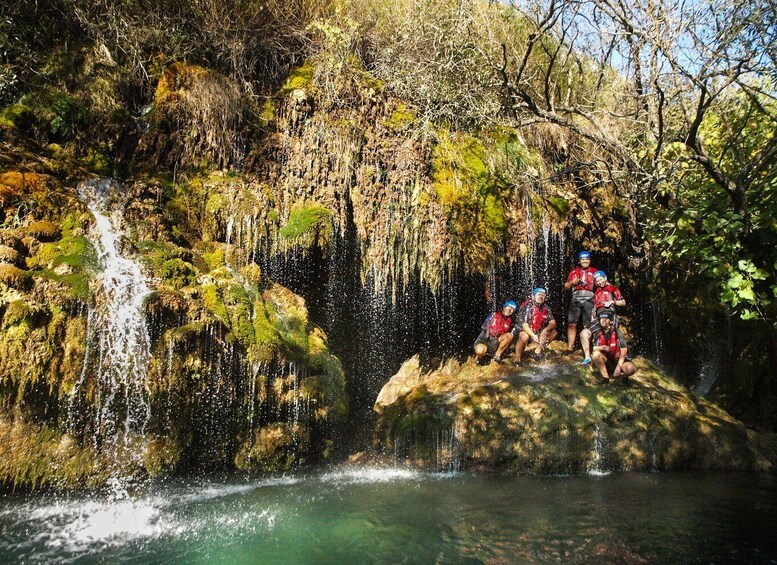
(536,323)
(606,298)
(496,332)
(581,282)
(610,351)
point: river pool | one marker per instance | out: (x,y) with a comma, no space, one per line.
(400,516)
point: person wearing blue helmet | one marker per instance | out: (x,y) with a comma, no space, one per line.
(581,282)
(496,332)
(606,298)
(536,323)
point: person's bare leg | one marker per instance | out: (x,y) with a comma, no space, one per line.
(504,341)
(628,369)
(523,339)
(585,343)
(571,336)
(600,362)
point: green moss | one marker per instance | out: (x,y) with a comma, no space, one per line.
(161,454)
(267,113)
(33,456)
(327,389)
(15,313)
(299,78)
(43,230)
(560,205)
(274,448)
(15,115)
(176,273)
(310,224)
(169,263)
(215,259)
(97,163)
(400,119)
(265,332)
(211,298)
(472,196)
(14,276)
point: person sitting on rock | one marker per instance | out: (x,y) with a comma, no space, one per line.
(606,297)
(536,323)
(495,334)
(581,281)
(610,351)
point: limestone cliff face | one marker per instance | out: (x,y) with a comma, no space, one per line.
(551,417)
(217,186)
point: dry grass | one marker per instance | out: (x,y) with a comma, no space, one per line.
(200,115)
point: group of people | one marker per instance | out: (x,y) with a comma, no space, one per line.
(592,309)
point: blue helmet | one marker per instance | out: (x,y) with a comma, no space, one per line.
(584,255)
(598,274)
(537,290)
(510,304)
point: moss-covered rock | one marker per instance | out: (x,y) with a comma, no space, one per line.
(34,456)
(551,417)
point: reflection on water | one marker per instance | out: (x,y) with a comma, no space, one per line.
(397,515)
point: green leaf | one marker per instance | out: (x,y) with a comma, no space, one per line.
(735,281)
(746,294)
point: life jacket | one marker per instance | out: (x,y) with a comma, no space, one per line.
(604,294)
(612,340)
(499,324)
(535,315)
(586,277)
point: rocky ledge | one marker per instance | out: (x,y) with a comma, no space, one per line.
(550,416)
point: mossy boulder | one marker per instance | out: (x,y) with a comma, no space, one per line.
(552,417)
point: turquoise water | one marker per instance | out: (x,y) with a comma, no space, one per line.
(400,516)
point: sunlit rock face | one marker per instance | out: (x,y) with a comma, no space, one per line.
(551,417)
(126,355)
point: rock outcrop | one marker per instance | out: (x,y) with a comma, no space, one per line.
(552,417)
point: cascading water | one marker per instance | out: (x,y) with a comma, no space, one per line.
(121,350)
(596,462)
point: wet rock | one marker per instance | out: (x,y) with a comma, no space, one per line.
(550,416)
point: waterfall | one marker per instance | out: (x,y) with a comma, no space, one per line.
(122,342)
(596,461)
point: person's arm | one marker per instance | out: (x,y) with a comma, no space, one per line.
(595,340)
(572,280)
(624,347)
(619,300)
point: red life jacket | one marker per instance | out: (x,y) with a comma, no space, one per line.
(499,324)
(586,277)
(612,340)
(537,317)
(604,294)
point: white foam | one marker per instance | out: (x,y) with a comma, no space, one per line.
(370,475)
(219,491)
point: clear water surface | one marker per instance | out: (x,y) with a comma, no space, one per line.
(399,516)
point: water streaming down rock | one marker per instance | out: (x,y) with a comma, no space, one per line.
(121,349)
(596,464)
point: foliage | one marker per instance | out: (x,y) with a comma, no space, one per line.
(703,236)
